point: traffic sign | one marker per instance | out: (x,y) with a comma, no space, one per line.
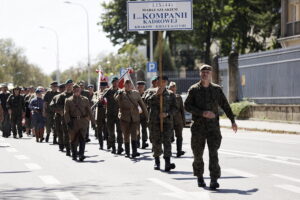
(152,67)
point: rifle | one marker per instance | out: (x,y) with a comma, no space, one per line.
(96,104)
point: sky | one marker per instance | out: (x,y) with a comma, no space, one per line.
(20,21)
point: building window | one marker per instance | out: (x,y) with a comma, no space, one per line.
(293,11)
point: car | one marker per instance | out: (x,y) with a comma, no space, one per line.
(188,116)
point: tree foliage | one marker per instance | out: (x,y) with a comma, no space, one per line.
(15,68)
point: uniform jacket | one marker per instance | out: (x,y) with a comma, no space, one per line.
(169,105)
(60,105)
(78,106)
(1,113)
(128,103)
(179,118)
(3,99)
(112,107)
(47,99)
(202,99)
(53,105)
(16,103)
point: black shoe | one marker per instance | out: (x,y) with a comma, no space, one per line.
(214,184)
(127,150)
(120,149)
(168,164)
(108,145)
(74,158)
(42,139)
(157,163)
(180,153)
(20,136)
(55,141)
(101,147)
(201,182)
(15,137)
(145,145)
(47,137)
(81,158)
(113,151)
(134,149)
(68,153)
(88,140)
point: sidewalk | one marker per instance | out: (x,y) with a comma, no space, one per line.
(264,126)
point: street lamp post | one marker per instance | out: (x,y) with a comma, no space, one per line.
(88,36)
(57,51)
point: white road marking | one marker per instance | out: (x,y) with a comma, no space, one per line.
(179,193)
(290,188)
(286,177)
(65,196)
(239,173)
(10,149)
(33,166)
(272,158)
(21,157)
(49,180)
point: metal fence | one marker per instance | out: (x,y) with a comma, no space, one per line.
(270,77)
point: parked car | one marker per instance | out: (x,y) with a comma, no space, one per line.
(188,116)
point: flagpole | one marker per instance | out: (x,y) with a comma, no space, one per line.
(160,40)
(98,88)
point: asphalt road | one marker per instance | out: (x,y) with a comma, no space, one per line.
(258,166)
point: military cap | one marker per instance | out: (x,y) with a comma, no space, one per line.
(39,90)
(76,86)
(114,79)
(165,78)
(154,78)
(205,67)
(62,85)
(16,88)
(90,86)
(103,84)
(69,81)
(54,83)
(141,83)
(172,84)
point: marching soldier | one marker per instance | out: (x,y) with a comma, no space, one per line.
(58,118)
(129,102)
(178,119)
(203,101)
(86,94)
(28,116)
(77,114)
(112,110)
(159,137)
(48,112)
(101,115)
(16,109)
(143,118)
(60,108)
(6,126)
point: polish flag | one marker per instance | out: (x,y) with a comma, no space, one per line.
(125,77)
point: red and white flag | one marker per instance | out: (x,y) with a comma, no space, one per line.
(125,77)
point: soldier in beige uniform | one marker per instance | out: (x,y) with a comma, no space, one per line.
(77,114)
(129,101)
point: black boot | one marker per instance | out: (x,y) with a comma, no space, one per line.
(113,151)
(81,150)
(214,184)
(134,149)
(168,164)
(145,145)
(201,182)
(127,150)
(47,137)
(68,151)
(55,140)
(138,144)
(120,149)
(157,163)
(74,152)
(61,147)
(179,148)
(108,145)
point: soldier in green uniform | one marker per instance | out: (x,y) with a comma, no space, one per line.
(28,117)
(16,109)
(6,126)
(143,118)
(86,94)
(203,101)
(159,137)
(178,119)
(129,102)
(101,115)
(112,110)
(60,108)
(77,114)
(49,113)
(58,118)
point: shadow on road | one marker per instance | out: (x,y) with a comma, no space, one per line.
(235,191)
(194,178)
(14,172)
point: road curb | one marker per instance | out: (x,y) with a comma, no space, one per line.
(265,130)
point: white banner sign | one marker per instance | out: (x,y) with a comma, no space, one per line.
(159,15)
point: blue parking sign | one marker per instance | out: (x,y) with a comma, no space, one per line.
(152,67)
